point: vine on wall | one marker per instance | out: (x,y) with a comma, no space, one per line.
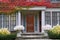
(8,6)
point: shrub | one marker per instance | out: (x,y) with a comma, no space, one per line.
(6,35)
(54,33)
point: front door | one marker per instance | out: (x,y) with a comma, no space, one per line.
(30,22)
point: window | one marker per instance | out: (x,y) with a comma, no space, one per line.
(35,22)
(8,21)
(52,18)
(24,21)
(55,0)
(47,18)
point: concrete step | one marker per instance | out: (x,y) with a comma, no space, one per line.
(33,35)
(26,36)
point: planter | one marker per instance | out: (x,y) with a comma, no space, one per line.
(8,37)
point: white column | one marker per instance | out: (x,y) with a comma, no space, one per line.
(58,18)
(43,20)
(19,18)
(51,17)
(2,20)
(9,23)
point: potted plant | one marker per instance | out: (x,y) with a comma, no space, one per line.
(19,29)
(5,34)
(54,33)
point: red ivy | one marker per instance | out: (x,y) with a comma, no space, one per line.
(13,4)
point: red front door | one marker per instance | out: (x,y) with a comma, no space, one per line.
(30,22)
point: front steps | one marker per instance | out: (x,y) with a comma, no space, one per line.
(32,36)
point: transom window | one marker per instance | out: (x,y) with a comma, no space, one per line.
(8,21)
(52,18)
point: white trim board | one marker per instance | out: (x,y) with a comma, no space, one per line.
(52,9)
(34,8)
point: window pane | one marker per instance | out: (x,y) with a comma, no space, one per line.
(47,18)
(0,21)
(12,21)
(5,21)
(24,21)
(54,18)
(35,22)
(59,17)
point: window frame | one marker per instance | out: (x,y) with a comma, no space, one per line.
(51,18)
(4,20)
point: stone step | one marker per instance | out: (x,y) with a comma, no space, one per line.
(32,36)
(31,39)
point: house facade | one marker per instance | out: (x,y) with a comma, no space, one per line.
(34,18)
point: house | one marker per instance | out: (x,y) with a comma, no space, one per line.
(41,12)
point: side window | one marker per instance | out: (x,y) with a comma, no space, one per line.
(0,21)
(54,18)
(47,18)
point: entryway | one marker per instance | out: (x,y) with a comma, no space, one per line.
(31,21)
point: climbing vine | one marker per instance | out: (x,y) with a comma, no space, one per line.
(9,6)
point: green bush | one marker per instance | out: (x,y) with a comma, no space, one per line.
(54,33)
(8,37)
(5,34)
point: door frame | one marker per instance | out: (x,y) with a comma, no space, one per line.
(34,23)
